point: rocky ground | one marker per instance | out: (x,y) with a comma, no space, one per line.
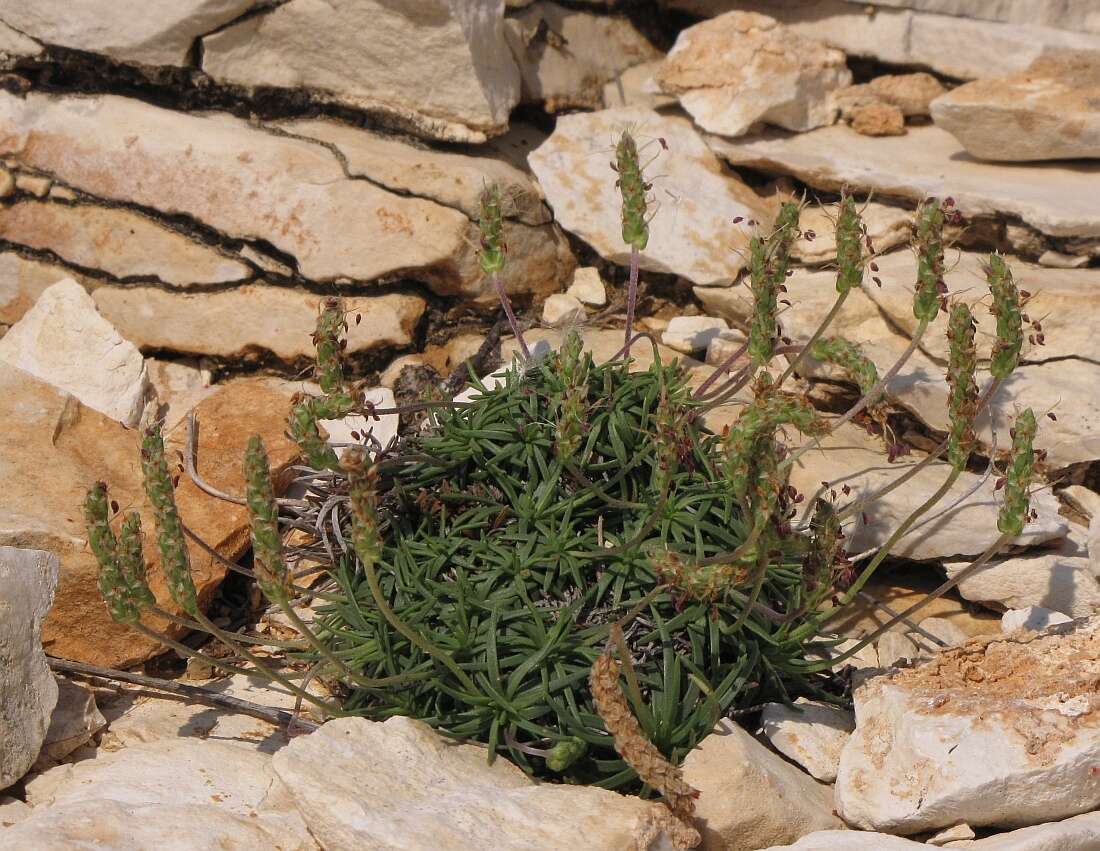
(182,183)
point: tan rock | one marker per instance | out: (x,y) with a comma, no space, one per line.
(911,93)
(158,32)
(956,46)
(1062,583)
(691,235)
(425,791)
(64,341)
(637,87)
(742,68)
(74,721)
(888,227)
(28,691)
(1051,111)
(22,281)
(179,385)
(239,180)
(565,56)
(878,119)
(118,242)
(811,733)
(999,731)
(749,797)
(964,522)
(252,321)
(67,447)
(461,88)
(1056,200)
(1073,15)
(562,309)
(33,184)
(588,287)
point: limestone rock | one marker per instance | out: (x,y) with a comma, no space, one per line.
(180,385)
(66,447)
(1053,581)
(74,721)
(157,32)
(878,119)
(850,840)
(947,44)
(911,93)
(726,345)
(22,281)
(944,630)
(562,309)
(588,287)
(28,691)
(118,242)
(374,433)
(565,56)
(690,235)
(887,226)
(252,321)
(1031,617)
(423,791)
(749,797)
(439,67)
(239,180)
(214,779)
(850,456)
(636,87)
(742,68)
(999,731)
(955,833)
(1054,199)
(689,334)
(1051,111)
(12,810)
(811,733)
(63,340)
(1074,15)
(15,46)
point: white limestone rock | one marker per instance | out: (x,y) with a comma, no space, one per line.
(441,67)
(811,733)
(74,721)
(568,69)
(152,32)
(64,341)
(999,731)
(690,334)
(1055,199)
(28,691)
(1061,583)
(888,227)
(742,68)
(562,309)
(691,235)
(1032,618)
(588,287)
(424,791)
(749,797)
(1051,111)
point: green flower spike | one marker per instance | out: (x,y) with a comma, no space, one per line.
(170,541)
(1008,311)
(573,406)
(962,406)
(363,498)
(1017,502)
(491,224)
(849,245)
(632,187)
(769,261)
(328,339)
(929,246)
(269,565)
(112,583)
(849,357)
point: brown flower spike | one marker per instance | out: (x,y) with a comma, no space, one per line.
(632,744)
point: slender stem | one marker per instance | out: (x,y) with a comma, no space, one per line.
(804,631)
(721,369)
(506,303)
(187,623)
(935,594)
(825,323)
(631,296)
(186,693)
(866,399)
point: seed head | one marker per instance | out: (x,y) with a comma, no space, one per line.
(962,405)
(930,268)
(632,187)
(174,559)
(491,224)
(269,565)
(1016,507)
(1006,308)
